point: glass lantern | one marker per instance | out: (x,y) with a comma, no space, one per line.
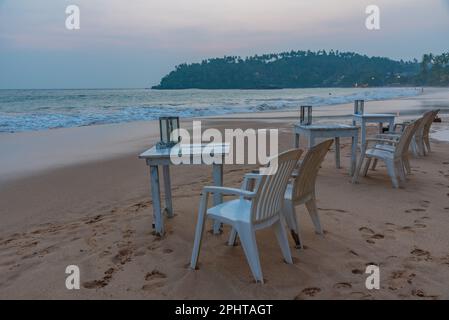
(166,126)
(306,115)
(359,106)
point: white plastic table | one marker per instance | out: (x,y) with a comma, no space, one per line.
(335,131)
(161,157)
(379,118)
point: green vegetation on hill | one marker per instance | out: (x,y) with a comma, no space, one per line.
(434,70)
(305,69)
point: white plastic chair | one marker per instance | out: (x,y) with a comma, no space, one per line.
(252,211)
(426,132)
(302,190)
(394,152)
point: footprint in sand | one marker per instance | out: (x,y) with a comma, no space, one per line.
(360,295)
(415,210)
(96,284)
(400,278)
(152,286)
(95,219)
(366,231)
(155,274)
(152,277)
(343,285)
(420,254)
(407,228)
(357,271)
(419,224)
(308,292)
(138,206)
(330,209)
(421,294)
(370,234)
(123,256)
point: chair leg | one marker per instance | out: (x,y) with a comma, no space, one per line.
(401,171)
(232,237)
(248,239)
(427,142)
(365,169)
(407,165)
(420,145)
(355,178)
(392,173)
(414,147)
(281,236)
(374,164)
(292,222)
(313,212)
(199,230)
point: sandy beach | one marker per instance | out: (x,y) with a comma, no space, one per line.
(81,196)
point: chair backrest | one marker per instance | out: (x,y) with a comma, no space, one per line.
(304,184)
(271,189)
(406,138)
(429,122)
(427,118)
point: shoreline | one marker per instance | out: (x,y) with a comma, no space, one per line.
(187,104)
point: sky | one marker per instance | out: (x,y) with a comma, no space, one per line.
(133,43)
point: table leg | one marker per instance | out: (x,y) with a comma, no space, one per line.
(391,125)
(311,141)
(381,127)
(167,190)
(363,133)
(337,152)
(296,140)
(355,140)
(218,198)
(156,197)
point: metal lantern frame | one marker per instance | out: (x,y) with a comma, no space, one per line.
(306,115)
(359,106)
(166,127)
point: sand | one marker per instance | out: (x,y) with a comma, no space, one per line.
(92,208)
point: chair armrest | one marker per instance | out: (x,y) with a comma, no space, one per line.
(253,176)
(229,191)
(388,136)
(247,183)
(380,140)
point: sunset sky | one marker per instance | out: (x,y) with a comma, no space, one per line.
(134,43)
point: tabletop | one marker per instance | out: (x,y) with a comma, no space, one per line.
(326,127)
(375,115)
(186,150)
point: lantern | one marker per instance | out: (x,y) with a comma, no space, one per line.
(166,126)
(306,115)
(359,106)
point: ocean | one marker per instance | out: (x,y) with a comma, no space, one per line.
(29,110)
